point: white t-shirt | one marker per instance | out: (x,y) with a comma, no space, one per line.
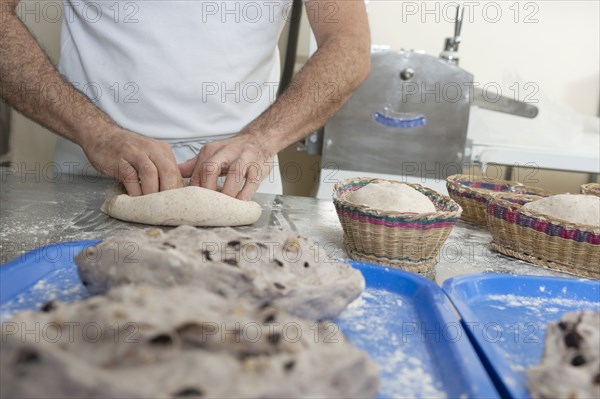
(184,71)
(175,69)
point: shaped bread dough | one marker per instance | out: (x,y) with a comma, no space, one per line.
(271,266)
(149,342)
(573,208)
(397,197)
(187,205)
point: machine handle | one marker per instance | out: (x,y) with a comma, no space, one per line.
(504,104)
(450,52)
(458,24)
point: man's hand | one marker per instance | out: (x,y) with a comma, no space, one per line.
(339,66)
(144,165)
(243,159)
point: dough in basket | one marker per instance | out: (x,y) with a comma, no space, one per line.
(388,196)
(189,205)
(144,342)
(574,208)
(271,266)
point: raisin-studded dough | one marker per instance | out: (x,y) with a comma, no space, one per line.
(570,367)
(178,342)
(275,266)
(189,205)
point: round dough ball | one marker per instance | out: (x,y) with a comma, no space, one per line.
(396,197)
(574,208)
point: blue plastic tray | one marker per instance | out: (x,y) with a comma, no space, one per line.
(405,322)
(506,318)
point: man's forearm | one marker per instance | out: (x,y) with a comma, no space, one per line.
(31,84)
(323,85)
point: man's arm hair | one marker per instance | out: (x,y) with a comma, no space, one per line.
(341,63)
(31,84)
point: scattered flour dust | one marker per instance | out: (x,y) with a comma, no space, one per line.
(59,286)
(534,314)
(410,371)
(356,308)
(540,304)
(374,323)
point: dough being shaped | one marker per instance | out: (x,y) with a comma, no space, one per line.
(273,266)
(573,208)
(570,367)
(149,342)
(388,196)
(189,205)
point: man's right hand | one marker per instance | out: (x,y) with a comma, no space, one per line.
(144,165)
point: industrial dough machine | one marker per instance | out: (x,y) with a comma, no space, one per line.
(408,120)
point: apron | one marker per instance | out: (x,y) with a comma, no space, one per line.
(70,158)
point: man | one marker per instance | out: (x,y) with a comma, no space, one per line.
(146,85)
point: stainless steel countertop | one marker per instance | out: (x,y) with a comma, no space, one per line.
(39,208)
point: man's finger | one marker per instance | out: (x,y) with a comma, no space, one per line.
(148,174)
(253,171)
(130,179)
(198,162)
(169,176)
(210,172)
(187,168)
(252,183)
(207,171)
(249,189)
(233,181)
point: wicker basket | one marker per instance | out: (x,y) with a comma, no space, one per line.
(403,240)
(591,189)
(542,240)
(471,193)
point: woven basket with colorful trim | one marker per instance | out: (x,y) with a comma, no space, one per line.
(542,240)
(406,241)
(591,189)
(471,192)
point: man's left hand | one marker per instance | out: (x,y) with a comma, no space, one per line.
(243,159)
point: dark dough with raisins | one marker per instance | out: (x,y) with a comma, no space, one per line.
(273,266)
(570,366)
(177,342)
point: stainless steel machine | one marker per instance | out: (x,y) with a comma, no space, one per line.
(400,120)
(409,118)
